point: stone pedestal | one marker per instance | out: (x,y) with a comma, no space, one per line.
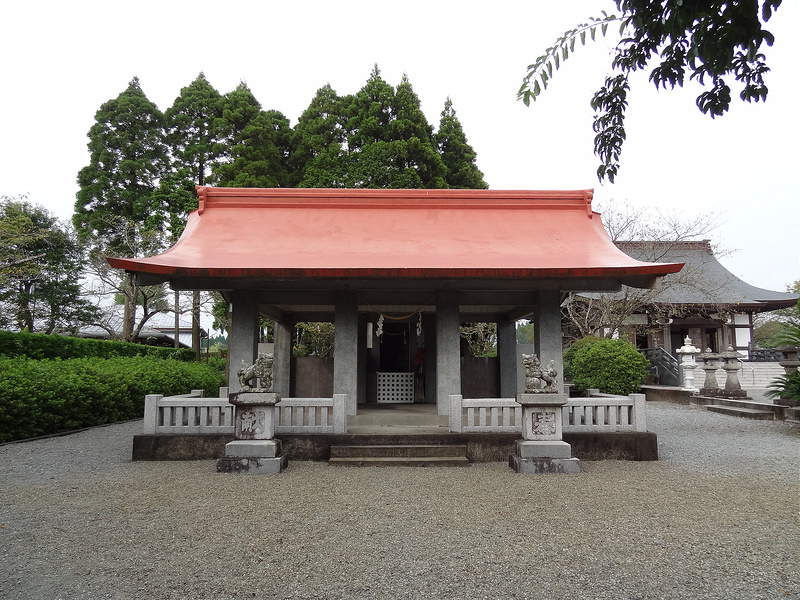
(541,449)
(253,449)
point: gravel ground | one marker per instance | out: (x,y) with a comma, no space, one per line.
(716,517)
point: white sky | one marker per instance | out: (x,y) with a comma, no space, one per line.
(61,61)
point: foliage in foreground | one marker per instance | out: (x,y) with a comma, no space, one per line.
(41,346)
(40,397)
(612,366)
(710,42)
(787,387)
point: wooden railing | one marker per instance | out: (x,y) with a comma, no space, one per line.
(601,412)
(193,414)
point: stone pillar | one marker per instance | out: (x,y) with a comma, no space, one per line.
(283,358)
(542,449)
(254,448)
(448,350)
(547,331)
(243,343)
(507,355)
(345,350)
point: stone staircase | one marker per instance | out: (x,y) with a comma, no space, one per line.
(752,375)
(399,455)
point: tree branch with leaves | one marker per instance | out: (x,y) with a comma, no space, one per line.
(712,41)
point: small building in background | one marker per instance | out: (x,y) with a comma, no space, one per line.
(704,301)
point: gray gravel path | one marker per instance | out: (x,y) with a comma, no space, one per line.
(716,517)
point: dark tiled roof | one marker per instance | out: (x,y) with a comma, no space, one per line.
(703,280)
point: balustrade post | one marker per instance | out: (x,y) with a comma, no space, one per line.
(455,413)
(340,413)
(151,412)
(639,414)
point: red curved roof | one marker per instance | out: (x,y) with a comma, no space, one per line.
(244,233)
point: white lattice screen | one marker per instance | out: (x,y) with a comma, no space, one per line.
(395,387)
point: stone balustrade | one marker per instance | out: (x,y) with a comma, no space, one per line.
(187,414)
(312,415)
(193,414)
(603,413)
(491,415)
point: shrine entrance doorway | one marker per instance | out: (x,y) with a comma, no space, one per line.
(392,375)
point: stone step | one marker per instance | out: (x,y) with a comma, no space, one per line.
(738,411)
(410,455)
(400,461)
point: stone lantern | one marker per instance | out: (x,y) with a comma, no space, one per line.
(730,363)
(710,366)
(688,364)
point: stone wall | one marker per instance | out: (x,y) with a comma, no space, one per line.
(480,377)
(312,377)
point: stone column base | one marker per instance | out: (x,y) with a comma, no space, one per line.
(534,466)
(252,456)
(543,457)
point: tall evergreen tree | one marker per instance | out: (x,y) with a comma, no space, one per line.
(370,113)
(458,156)
(321,127)
(258,143)
(193,124)
(127,158)
(115,203)
(412,139)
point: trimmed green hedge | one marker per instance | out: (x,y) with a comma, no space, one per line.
(42,346)
(40,397)
(612,366)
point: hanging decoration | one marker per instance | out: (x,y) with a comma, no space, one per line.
(419,326)
(379,328)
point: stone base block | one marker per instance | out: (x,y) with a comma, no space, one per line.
(534,466)
(253,448)
(256,466)
(553,449)
(720,393)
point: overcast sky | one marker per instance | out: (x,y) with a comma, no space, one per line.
(62,60)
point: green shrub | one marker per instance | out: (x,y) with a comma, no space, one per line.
(39,397)
(569,355)
(42,346)
(786,387)
(612,366)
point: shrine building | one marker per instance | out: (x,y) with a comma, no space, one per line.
(398,272)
